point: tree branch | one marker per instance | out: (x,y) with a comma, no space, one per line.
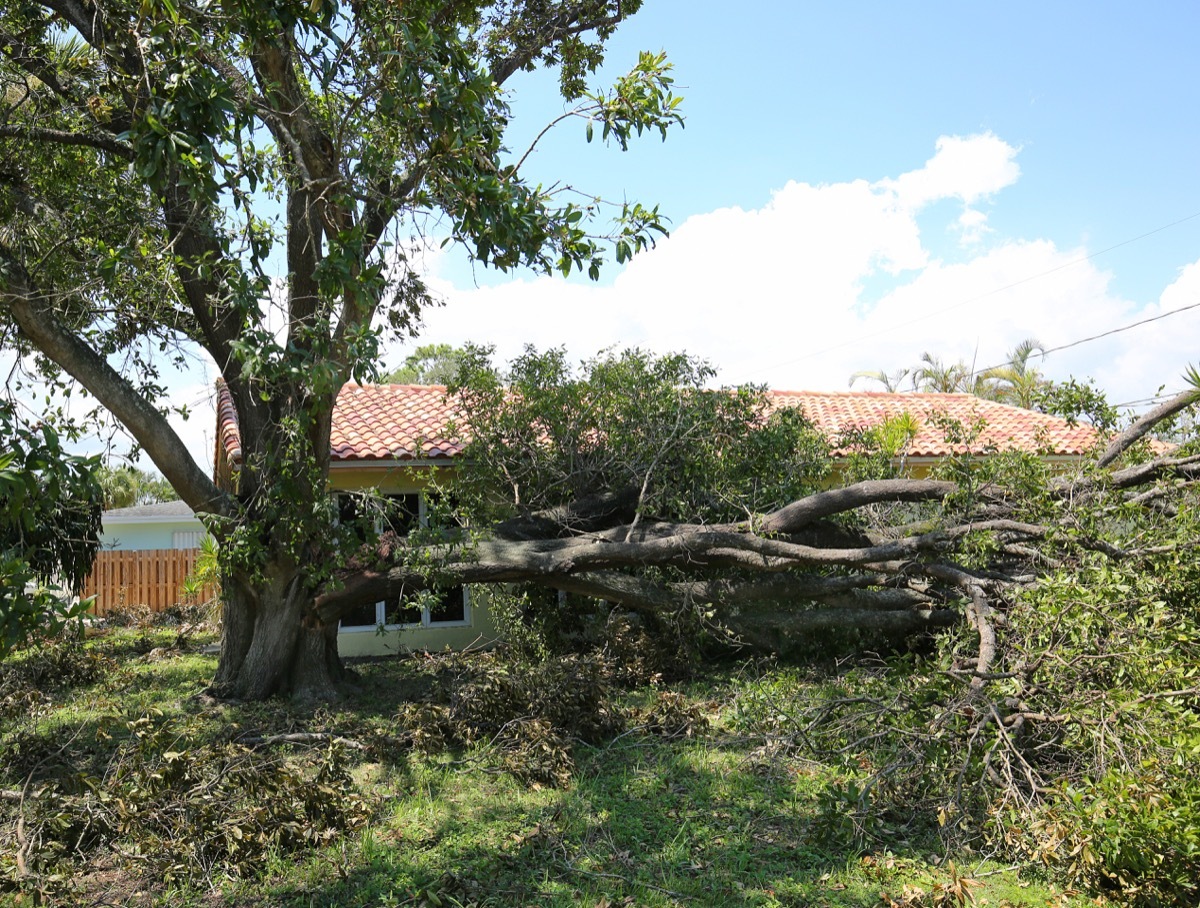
(565,25)
(98,141)
(799,514)
(152,430)
(550,562)
(1121,443)
(89,25)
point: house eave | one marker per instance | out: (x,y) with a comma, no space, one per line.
(388,463)
(170,518)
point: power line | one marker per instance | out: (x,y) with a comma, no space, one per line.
(1085,340)
(858,338)
(1146,401)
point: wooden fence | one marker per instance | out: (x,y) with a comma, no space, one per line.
(151,577)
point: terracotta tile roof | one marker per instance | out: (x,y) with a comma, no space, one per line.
(393,422)
(1007,427)
(372,423)
(410,422)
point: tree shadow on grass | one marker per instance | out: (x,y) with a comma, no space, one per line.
(651,824)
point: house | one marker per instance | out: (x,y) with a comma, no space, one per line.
(395,438)
(162,525)
(392,439)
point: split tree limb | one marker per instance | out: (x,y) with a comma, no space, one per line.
(1122,442)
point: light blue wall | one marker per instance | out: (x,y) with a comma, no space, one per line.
(145,535)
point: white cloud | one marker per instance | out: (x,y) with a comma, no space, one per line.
(825,280)
(972,227)
(969,168)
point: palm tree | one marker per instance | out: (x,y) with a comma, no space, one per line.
(942,378)
(126,486)
(891,382)
(1017,381)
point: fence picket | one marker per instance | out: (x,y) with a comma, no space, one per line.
(152,577)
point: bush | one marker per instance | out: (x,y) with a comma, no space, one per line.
(1133,833)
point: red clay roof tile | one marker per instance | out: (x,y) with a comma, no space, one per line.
(1006,427)
(372,423)
(411,422)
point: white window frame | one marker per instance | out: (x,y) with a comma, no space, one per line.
(426,623)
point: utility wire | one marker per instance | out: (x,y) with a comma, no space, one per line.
(1146,401)
(1085,340)
(858,338)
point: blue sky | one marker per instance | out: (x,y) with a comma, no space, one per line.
(1102,99)
(859,183)
(1066,129)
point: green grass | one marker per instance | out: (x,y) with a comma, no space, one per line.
(713,819)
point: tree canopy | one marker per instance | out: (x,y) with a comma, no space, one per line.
(160,162)
(125,486)
(429,364)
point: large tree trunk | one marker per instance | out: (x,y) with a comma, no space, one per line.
(274,644)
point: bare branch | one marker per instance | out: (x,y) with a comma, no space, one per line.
(799,514)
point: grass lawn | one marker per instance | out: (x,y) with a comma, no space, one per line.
(713,817)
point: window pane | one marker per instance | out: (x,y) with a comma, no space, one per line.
(360,616)
(403,513)
(402,611)
(451,605)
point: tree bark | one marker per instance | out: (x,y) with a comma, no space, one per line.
(1122,442)
(237,630)
(273,643)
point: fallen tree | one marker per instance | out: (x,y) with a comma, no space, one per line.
(908,582)
(591,500)
(1054,714)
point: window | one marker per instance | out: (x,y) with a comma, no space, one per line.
(444,608)
(448,608)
